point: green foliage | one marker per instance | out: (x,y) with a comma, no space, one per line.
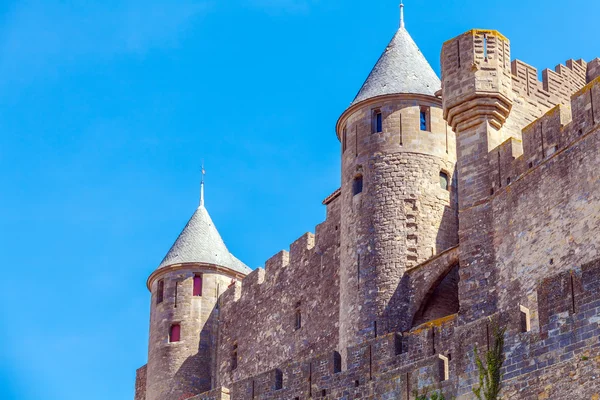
(490,372)
(435,396)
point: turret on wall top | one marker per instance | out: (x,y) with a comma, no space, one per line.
(183,319)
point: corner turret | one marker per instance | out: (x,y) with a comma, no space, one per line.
(185,289)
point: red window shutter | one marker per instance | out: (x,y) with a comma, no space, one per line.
(198,285)
(175,334)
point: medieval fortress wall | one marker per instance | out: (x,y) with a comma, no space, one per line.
(403,280)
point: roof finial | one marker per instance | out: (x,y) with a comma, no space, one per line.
(401,14)
(202,186)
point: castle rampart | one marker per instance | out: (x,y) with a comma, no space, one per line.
(392,294)
(438,356)
(258,319)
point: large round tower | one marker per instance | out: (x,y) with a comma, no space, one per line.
(184,311)
(397,192)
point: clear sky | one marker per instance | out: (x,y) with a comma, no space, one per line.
(108,110)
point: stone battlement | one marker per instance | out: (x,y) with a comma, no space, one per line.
(451,220)
(439,355)
(544,138)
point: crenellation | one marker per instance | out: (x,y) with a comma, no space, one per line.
(232,293)
(455,217)
(506,163)
(374,365)
(593,70)
(252,284)
(301,248)
(220,393)
(275,264)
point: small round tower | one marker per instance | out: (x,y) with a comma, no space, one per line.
(397,193)
(184,311)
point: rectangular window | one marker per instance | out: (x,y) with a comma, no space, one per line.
(197,285)
(376,121)
(175,333)
(425,119)
(444,180)
(160,291)
(357,185)
(344,139)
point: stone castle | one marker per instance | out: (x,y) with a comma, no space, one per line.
(468,206)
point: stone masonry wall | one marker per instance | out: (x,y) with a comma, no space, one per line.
(528,257)
(547,218)
(557,359)
(140,384)
(182,369)
(259,316)
(401,218)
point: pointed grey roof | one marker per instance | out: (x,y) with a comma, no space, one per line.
(200,242)
(402,68)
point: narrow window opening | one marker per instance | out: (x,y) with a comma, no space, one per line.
(160,291)
(485,47)
(357,186)
(358,271)
(508,181)
(530,164)
(425,119)
(298,317)
(197,285)
(444,367)
(175,333)
(525,319)
(356,383)
(444,180)
(234,357)
(323,392)
(375,328)
(176,290)
(344,140)
(376,121)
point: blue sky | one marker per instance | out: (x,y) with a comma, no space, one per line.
(108,110)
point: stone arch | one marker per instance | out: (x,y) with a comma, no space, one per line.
(441,300)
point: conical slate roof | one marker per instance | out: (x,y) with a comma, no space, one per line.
(200,242)
(402,68)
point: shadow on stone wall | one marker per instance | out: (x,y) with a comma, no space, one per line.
(196,373)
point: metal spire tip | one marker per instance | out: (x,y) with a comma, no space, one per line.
(401,14)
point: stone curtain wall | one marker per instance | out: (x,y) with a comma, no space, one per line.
(547,219)
(558,360)
(259,316)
